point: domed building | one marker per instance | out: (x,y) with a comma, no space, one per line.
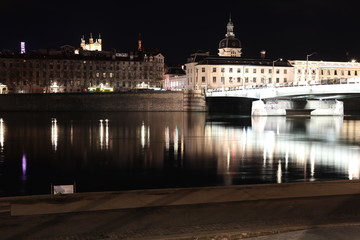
(230,46)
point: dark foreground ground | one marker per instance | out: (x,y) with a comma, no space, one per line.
(327,210)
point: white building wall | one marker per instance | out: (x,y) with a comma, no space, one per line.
(219,76)
(316,71)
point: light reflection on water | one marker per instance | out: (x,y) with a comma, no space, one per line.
(120,151)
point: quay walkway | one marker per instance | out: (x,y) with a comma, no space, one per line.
(217,213)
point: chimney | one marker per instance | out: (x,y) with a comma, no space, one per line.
(262,54)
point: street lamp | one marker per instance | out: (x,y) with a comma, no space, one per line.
(307,64)
(273,64)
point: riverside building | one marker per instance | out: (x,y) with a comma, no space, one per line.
(230,70)
(75,70)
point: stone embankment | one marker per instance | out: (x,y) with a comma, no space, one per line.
(191,100)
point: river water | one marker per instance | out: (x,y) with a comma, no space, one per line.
(146,150)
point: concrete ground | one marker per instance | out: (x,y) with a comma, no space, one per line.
(318,210)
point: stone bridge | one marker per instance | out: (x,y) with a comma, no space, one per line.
(300,99)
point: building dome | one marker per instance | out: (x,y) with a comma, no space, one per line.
(230,42)
(230,46)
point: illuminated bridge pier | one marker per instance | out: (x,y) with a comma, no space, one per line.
(316,99)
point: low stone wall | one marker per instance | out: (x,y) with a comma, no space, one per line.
(139,101)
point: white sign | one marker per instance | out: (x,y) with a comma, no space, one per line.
(63,189)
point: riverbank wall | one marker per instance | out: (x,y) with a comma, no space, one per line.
(192,100)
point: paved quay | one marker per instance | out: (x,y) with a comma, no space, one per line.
(224,213)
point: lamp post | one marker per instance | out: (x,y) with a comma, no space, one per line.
(307,64)
(273,64)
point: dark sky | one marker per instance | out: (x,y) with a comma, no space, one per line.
(289,29)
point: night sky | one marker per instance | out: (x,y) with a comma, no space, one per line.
(288,29)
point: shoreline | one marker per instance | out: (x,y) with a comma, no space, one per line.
(98,201)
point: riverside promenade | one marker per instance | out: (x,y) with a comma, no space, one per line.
(216,213)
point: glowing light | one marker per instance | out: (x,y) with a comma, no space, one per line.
(167,138)
(54,133)
(22,47)
(279,172)
(176,140)
(143,135)
(101,133)
(107,133)
(2,133)
(23,165)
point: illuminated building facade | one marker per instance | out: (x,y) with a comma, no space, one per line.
(175,79)
(230,70)
(62,70)
(318,72)
(92,45)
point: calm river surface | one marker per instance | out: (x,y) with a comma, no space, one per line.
(142,150)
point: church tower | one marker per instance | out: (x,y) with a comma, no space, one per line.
(230,46)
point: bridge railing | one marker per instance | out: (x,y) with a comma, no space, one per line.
(288,84)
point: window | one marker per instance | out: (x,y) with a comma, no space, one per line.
(203,79)
(222,69)
(277,80)
(246,79)
(299,71)
(270,80)
(230,79)
(203,69)
(246,70)
(254,79)
(355,73)
(328,72)
(277,71)
(254,70)
(214,70)
(239,70)
(285,79)
(230,70)
(270,71)
(238,79)
(285,71)
(214,79)
(349,73)
(313,72)
(262,70)
(322,72)
(342,72)
(335,72)
(222,80)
